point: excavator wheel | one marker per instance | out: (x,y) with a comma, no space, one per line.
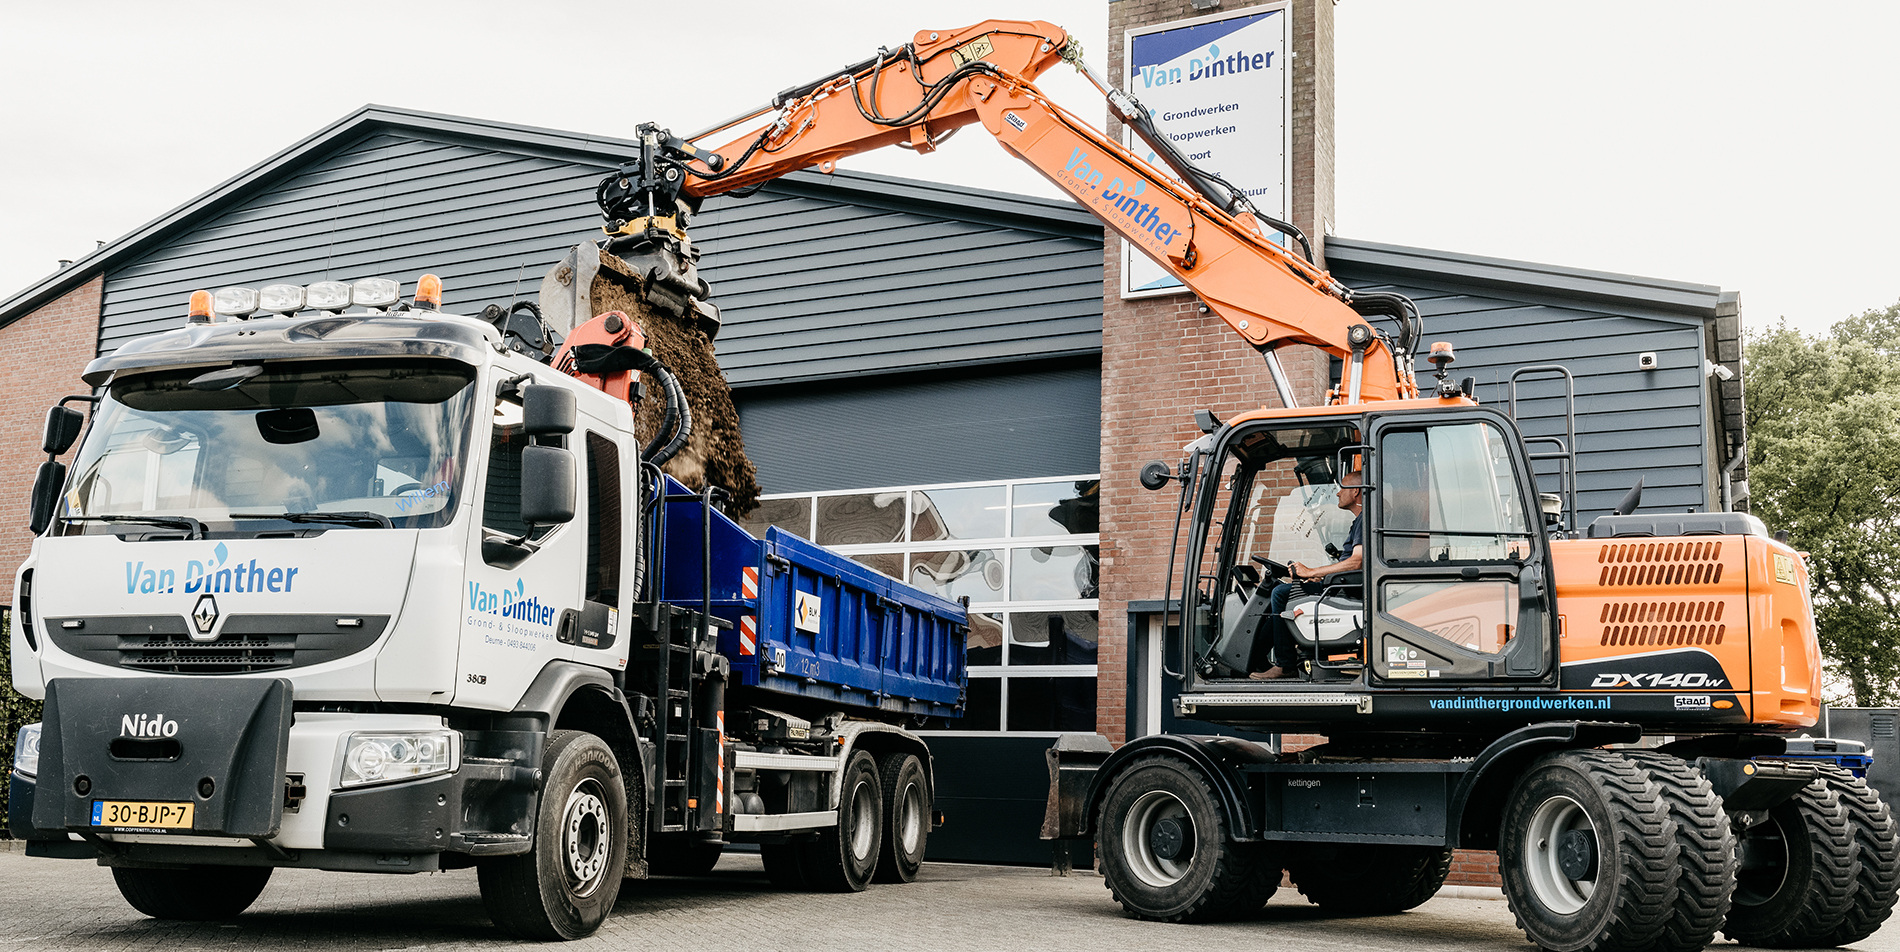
(1365,879)
(1796,883)
(1590,853)
(1164,850)
(1705,851)
(1877,845)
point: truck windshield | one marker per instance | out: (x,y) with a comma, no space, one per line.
(328,445)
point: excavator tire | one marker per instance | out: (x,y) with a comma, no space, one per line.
(1590,853)
(1356,879)
(1877,840)
(1164,848)
(1798,870)
(1706,852)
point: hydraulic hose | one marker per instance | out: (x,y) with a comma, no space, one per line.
(683,429)
(677,425)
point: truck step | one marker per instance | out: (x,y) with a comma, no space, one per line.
(492,844)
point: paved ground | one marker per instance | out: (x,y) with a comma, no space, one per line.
(67,904)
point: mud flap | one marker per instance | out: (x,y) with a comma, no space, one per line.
(217,746)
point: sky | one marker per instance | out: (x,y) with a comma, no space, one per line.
(1744,144)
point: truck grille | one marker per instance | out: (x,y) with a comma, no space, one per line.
(247,643)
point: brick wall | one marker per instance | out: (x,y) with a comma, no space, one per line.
(50,347)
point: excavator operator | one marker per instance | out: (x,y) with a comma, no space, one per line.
(1352,556)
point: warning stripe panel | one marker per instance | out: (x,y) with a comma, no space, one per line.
(749,582)
(748,635)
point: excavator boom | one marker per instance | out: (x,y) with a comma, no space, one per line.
(1208,237)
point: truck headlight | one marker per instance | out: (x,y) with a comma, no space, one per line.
(398,755)
(26,751)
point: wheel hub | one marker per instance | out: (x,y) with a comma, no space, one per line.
(1167,838)
(1577,854)
(584,838)
(1158,839)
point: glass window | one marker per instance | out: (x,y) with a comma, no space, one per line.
(382,437)
(890,563)
(603,519)
(1051,704)
(1478,615)
(983,711)
(1052,637)
(1054,573)
(792,515)
(974,512)
(977,573)
(861,519)
(1449,493)
(985,643)
(1043,509)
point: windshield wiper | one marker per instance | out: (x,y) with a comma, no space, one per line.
(360,519)
(193,528)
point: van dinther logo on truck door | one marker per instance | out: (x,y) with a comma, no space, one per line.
(806,617)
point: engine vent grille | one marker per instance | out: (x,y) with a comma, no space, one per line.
(246,643)
(1668,622)
(1660,563)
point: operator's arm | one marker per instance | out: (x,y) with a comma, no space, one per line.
(1351,563)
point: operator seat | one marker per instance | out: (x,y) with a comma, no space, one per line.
(1331,621)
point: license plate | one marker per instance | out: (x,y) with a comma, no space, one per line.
(141,815)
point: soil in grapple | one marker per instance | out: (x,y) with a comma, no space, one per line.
(715,452)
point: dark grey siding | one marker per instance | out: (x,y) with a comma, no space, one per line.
(1630,422)
(1005,426)
(822,279)
(387,205)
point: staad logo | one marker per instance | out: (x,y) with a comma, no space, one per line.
(216,573)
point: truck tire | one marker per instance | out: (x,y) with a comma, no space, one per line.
(565,887)
(681,854)
(844,856)
(193,894)
(1705,851)
(1877,842)
(1589,853)
(1797,877)
(1164,848)
(1367,879)
(906,818)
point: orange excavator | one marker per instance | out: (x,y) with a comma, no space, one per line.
(1610,708)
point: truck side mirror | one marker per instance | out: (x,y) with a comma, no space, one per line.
(63,424)
(547,482)
(47,485)
(547,411)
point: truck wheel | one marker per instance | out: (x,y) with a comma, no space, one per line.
(1877,842)
(565,887)
(194,894)
(1164,849)
(844,855)
(1705,851)
(1588,853)
(1797,880)
(906,818)
(1369,879)
(681,854)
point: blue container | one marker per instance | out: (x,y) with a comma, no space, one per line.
(811,623)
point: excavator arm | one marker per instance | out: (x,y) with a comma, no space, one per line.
(1197,226)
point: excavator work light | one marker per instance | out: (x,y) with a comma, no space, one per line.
(429,292)
(234,302)
(200,307)
(281,298)
(375,292)
(327,296)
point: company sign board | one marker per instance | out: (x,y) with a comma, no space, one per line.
(1219,87)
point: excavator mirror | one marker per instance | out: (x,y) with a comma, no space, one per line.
(1155,475)
(62,429)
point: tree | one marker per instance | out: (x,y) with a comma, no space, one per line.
(1824,464)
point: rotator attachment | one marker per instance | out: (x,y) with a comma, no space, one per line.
(646,214)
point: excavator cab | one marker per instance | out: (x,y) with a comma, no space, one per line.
(1454,582)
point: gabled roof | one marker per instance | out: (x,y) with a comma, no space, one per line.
(1004,208)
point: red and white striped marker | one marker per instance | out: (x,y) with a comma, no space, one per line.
(748,635)
(719,785)
(749,582)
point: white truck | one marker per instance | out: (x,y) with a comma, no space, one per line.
(344,583)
